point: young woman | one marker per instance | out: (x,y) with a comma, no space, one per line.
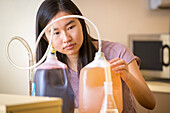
(76,48)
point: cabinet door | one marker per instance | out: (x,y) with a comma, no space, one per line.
(162,103)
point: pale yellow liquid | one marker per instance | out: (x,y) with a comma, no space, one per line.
(91,91)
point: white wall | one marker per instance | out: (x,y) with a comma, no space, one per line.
(115,19)
(17,18)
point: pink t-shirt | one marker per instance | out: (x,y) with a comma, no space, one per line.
(111,50)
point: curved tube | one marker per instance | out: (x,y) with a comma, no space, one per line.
(50,42)
(34,65)
(31,59)
(24,43)
(71,16)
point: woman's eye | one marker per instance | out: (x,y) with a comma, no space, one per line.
(56,33)
(71,27)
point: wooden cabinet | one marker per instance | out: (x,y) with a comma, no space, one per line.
(28,104)
(162,104)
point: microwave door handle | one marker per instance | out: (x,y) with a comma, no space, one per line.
(162,55)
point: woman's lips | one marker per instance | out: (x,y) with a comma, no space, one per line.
(70,46)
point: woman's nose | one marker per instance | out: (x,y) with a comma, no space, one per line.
(66,37)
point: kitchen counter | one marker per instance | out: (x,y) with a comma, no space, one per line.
(158,86)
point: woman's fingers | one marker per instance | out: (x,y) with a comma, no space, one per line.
(120,66)
(117,61)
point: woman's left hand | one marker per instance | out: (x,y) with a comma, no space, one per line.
(120,66)
(131,74)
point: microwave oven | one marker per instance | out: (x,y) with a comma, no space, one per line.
(153,50)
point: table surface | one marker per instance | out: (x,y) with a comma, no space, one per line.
(17,102)
(10,99)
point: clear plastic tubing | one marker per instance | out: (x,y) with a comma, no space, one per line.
(50,42)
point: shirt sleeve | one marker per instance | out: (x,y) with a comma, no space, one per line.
(116,50)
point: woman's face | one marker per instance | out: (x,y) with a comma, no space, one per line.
(67,36)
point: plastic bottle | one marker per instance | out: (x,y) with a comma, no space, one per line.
(108,105)
(91,86)
(51,79)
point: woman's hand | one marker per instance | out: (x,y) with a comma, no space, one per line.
(120,66)
(131,74)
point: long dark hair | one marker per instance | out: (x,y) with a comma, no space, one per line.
(47,10)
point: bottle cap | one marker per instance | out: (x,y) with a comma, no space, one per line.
(53,51)
(99,55)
